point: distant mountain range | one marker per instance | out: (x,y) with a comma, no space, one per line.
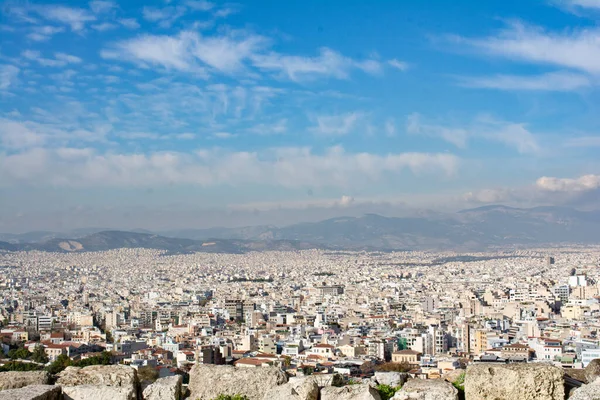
(472,229)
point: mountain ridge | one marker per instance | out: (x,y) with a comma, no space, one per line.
(469,229)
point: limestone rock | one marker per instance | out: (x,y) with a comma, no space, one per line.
(208,381)
(168,388)
(393,379)
(587,392)
(535,381)
(16,379)
(32,392)
(296,389)
(99,392)
(105,375)
(118,382)
(350,392)
(592,371)
(427,389)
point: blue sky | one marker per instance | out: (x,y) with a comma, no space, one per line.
(194,113)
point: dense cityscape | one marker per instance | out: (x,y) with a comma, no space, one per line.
(308,311)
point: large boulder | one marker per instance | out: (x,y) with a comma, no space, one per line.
(16,380)
(350,392)
(98,392)
(393,379)
(427,389)
(587,392)
(209,381)
(167,388)
(295,389)
(33,392)
(592,371)
(536,381)
(118,382)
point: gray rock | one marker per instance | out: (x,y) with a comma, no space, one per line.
(107,375)
(587,392)
(16,379)
(99,392)
(535,381)
(296,389)
(393,379)
(208,381)
(350,392)
(592,371)
(427,389)
(118,382)
(168,388)
(32,392)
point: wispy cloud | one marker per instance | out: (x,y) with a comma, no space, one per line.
(328,63)
(129,23)
(553,81)
(583,183)
(165,16)
(76,18)
(44,33)
(400,65)
(59,60)
(8,76)
(102,6)
(513,135)
(335,125)
(577,49)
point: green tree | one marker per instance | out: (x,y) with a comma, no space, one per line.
(287,361)
(39,355)
(109,337)
(231,397)
(19,354)
(386,392)
(149,374)
(19,366)
(61,362)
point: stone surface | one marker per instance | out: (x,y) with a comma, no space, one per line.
(16,379)
(587,392)
(295,389)
(534,381)
(350,392)
(592,371)
(32,392)
(427,389)
(105,375)
(168,388)
(393,379)
(99,392)
(208,381)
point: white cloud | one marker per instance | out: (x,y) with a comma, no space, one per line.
(188,51)
(335,125)
(102,6)
(577,49)
(553,81)
(8,76)
(390,128)
(105,26)
(43,33)
(59,60)
(76,18)
(285,167)
(199,5)
(276,128)
(164,16)
(583,3)
(329,63)
(346,200)
(581,184)
(455,136)
(129,23)
(223,135)
(401,65)
(511,134)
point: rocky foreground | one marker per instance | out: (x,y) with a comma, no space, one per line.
(207,382)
